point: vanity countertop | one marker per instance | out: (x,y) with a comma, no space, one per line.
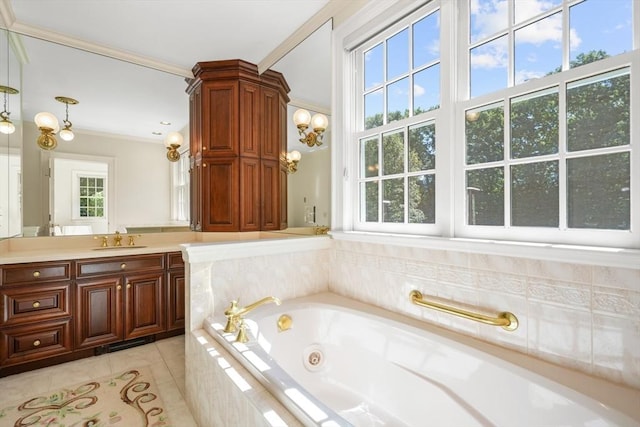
(41,249)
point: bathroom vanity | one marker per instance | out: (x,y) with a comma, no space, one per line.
(61,310)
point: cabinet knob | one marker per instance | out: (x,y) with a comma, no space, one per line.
(119,287)
(36,304)
(36,343)
(123,266)
(36,274)
(204,165)
(128,285)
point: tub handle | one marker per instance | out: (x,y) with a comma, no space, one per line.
(505,319)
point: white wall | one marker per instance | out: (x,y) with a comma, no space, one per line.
(310,186)
(142,177)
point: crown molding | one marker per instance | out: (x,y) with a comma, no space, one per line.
(10,23)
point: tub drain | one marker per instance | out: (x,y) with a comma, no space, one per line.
(313,358)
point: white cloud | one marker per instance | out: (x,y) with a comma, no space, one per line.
(492,55)
(418,90)
(525,75)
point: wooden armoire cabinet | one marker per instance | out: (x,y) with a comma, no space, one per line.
(238,139)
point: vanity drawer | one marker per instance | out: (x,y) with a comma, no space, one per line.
(29,303)
(15,274)
(175,260)
(135,263)
(31,342)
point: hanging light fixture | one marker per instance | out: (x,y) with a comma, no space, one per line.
(66,133)
(48,125)
(319,122)
(173,141)
(6,126)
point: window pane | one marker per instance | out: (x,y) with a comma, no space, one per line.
(599,28)
(422,199)
(373,67)
(537,51)
(598,113)
(393,153)
(489,67)
(487,17)
(422,147)
(484,132)
(485,196)
(393,200)
(426,90)
(398,54)
(426,40)
(524,10)
(534,124)
(369,198)
(373,107)
(369,157)
(398,100)
(534,194)
(598,193)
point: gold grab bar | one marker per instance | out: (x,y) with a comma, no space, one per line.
(504,319)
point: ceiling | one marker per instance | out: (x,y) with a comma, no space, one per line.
(167,37)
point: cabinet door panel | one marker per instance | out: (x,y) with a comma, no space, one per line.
(221,185)
(220,136)
(249,124)
(175,300)
(25,343)
(31,303)
(249,194)
(270,126)
(98,312)
(144,305)
(270,195)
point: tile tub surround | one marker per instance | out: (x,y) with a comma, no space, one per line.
(584,316)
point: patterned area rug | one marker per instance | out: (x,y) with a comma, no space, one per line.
(129,399)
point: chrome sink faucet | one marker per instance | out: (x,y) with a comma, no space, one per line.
(235,320)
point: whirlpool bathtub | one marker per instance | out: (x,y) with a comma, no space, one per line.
(343,363)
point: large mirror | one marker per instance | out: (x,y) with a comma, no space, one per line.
(115,152)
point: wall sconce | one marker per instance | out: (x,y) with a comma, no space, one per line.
(319,122)
(6,126)
(66,133)
(173,141)
(293,158)
(48,125)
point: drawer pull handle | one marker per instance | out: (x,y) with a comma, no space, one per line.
(36,343)
(36,274)
(119,287)
(36,304)
(123,266)
(128,285)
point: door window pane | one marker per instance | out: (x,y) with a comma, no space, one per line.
(393,200)
(393,153)
(422,199)
(422,147)
(534,124)
(598,112)
(534,194)
(398,54)
(485,196)
(484,130)
(598,192)
(426,90)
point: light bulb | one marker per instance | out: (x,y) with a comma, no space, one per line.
(301,117)
(7,127)
(294,155)
(47,120)
(66,134)
(173,138)
(319,122)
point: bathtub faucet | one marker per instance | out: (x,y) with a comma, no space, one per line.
(235,321)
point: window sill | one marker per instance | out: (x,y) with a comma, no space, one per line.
(592,255)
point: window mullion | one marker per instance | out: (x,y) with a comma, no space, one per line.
(562,156)
(507,163)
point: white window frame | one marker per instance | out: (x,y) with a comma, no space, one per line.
(450,206)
